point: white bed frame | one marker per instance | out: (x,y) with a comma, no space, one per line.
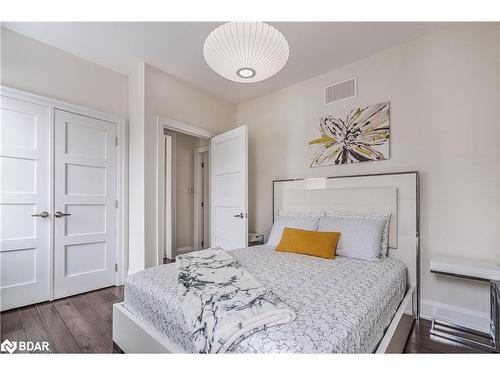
(397,193)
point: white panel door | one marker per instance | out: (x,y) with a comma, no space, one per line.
(229,190)
(24,192)
(84,204)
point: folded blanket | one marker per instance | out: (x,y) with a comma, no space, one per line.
(223,303)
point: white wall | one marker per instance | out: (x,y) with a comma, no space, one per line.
(443,90)
(498,106)
(38,68)
(137,151)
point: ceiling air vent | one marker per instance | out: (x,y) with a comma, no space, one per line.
(341,91)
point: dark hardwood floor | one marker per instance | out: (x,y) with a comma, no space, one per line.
(77,324)
(83,324)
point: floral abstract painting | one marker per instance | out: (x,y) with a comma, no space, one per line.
(363,135)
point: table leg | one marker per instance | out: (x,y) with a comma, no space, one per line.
(495,315)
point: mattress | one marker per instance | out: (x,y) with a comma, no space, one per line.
(342,305)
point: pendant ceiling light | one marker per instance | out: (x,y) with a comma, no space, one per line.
(246,51)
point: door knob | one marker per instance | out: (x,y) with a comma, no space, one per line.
(61,214)
(43,214)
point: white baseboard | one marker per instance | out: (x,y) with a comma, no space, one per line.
(455,314)
(183,250)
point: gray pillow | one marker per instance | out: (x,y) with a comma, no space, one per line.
(360,238)
(308,221)
(384,247)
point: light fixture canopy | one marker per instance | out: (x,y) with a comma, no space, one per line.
(246,73)
(246,52)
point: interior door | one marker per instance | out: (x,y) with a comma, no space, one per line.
(84,204)
(229,189)
(24,203)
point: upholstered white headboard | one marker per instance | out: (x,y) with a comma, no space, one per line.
(397,193)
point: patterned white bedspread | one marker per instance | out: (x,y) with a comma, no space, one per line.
(341,305)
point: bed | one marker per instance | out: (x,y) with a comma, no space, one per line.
(342,306)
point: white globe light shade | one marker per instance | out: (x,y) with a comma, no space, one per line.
(246,52)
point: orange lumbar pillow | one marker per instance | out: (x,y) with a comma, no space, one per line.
(309,242)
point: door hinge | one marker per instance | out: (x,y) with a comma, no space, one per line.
(116,267)
(202,164)
(116,141)
(202,244)
(116,203)
(202,204)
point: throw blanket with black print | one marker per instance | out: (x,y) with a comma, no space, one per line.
(222,303)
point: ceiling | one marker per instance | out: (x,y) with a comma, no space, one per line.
(177,48)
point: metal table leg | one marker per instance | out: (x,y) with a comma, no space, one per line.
(473,338)
(495,315)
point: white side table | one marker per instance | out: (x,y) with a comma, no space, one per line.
(472,270)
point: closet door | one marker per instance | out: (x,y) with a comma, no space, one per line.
(24,203)
(84,207)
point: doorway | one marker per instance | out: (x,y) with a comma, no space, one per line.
(186,193)
(227,192)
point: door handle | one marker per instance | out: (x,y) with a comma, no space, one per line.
(61,214)
(240,215)
(43,214)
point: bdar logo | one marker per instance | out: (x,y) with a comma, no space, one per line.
(24,346)
(8,346)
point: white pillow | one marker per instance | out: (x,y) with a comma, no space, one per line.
(384,246)
(299,220)
(360,238)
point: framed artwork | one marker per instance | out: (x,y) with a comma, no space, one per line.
(362,135)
